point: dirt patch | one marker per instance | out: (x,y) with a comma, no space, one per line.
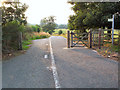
(7,56)
(107,53)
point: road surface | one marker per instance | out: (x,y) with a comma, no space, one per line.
(49,64)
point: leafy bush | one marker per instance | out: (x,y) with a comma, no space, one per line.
(28,33)
(11,32)
(41,35)
(60,32)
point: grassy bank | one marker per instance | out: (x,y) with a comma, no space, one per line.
(26,43)
(35,35)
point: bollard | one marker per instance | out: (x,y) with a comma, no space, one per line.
(68,39)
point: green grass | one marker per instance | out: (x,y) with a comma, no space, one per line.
(25,44)
(64,34)
(114,48)
(63,30)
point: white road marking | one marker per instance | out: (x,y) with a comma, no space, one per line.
(68,48)
(54,70)
(85,47)
(94,51)
(45,56)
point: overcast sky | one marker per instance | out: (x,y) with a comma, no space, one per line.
(38,9)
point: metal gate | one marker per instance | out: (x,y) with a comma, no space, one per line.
(78,39)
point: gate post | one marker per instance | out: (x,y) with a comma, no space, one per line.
(20,41)
(68,39)
(71,39)
(99,43)
(90,38)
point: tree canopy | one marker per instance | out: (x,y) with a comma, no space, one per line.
(48,24)
(93,15)
(12,11)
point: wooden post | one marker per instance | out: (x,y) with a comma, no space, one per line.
(20,41)
(90,39)
(119,48)
(68,39)
(93,37)
(71,39)
(99,43)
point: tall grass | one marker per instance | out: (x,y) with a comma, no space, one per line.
(40,35)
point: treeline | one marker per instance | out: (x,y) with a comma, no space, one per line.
(93,15)
(15,29)
(61,26)
(48,24)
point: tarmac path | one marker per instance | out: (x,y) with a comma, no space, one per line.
(49,64)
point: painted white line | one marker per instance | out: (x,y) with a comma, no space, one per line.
(85,47)
(45,56)
(94,51)
(54,70)
(68,48)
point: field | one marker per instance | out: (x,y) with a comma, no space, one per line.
(63,30)
(64,34)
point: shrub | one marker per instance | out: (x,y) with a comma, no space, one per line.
(11,32)
(60,32)
(41,35)
(28,33)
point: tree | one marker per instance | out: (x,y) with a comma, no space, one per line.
(92,15)
(13,19)
(11,35)
(62,26)
(48,24)
(12,11)
(60,32)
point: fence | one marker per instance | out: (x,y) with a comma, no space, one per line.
(96,37)
(102,37)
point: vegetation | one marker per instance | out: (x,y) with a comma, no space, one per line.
(48,24)
(11,31)
(62,26)
(36,28)
(33,36)
(93,15)
(16,31)
(40,35)
(64,33)
(60,32)
(12,11)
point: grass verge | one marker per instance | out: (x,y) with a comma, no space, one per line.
(25,44)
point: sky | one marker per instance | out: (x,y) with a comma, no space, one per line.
(38,9)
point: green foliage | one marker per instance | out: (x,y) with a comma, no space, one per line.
(40,35)
(11,12)
(11,32)
(60,32)
(35,28)
(48,24)
(93,15)
(114,48)
(25,44)
(62,26)
(64,31)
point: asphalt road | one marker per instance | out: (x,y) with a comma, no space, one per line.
(76,68)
